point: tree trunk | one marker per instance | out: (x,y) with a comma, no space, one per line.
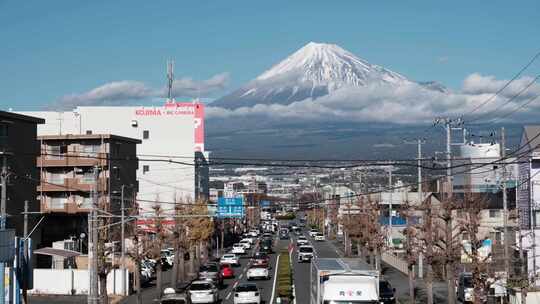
(191,262)
(174,273)
(450,280)
(138,282)
(181,266)
(359,251)
(411,282)
(197,257)
(429,283)
(377,259)
(103,289)
(159,281)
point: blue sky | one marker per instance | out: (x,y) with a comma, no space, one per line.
(50,49)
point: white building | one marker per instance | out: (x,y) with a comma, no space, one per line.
(170,134)
(528,197)
(476,173)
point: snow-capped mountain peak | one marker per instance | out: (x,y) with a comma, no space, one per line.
(315,70)
(329,64)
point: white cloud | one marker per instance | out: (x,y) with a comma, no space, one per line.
(129,92)
(405,104)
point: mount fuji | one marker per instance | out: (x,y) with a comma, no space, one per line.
(315,70)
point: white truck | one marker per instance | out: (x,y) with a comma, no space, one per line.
(343,281)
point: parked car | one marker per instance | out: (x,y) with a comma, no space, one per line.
(227,271)
(386,292)
(231,259)
(203,292)
(257,272)
(313,232)
(211,271)
(247,293)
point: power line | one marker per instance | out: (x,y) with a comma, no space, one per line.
(533,59)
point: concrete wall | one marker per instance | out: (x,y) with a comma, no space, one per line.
(72,281)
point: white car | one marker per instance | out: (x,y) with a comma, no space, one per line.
(254,233)
(231,259)
(245,243)
(305,253)
(247,293)
(257,272)
(203,292)
(302,240)
(238,249)
(319,237)
(251,240)
(313,232)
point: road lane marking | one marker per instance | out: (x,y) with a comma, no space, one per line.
(241,276)
(228,296)
(275,281)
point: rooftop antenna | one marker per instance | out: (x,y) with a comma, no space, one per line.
(170,79)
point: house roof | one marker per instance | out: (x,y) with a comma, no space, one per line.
(20,117)
(532,137)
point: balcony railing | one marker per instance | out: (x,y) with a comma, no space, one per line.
(72,159)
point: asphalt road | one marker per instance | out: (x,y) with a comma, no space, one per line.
(325,249)
(266,286)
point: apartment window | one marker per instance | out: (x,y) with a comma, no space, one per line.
(57,178)
(496,236)
(90,150)
(493,213)
(88,177)
(86,202)
(145,168)
(58,202)
(117,173)
(3,130)
(56,151)
(115,150)
(146,134)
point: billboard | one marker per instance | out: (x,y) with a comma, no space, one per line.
(230,207)
(173,108)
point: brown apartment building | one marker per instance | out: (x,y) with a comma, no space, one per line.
(66,167)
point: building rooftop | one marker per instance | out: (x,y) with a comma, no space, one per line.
(532,137)
(14,116)
(89,136)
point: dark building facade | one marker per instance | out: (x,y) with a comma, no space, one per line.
(19,148)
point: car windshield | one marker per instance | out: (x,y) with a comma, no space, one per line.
(320,234)
(259,255)
(385,287)
(306,249)
(467,282)
(246,288)
(257,267)
(200,286)
(173,301)
(229,256)
(208,268)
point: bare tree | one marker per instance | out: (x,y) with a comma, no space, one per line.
(411,245)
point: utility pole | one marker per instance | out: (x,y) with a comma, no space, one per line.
(123,244)
(449,125)
(3,198)
(419,142)
(25,234)
(93,297)
(505,208)
(390,206)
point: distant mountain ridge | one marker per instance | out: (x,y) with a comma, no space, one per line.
(315,70)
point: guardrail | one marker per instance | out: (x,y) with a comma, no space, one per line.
(395,262)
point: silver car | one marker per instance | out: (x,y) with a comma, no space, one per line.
(203,292)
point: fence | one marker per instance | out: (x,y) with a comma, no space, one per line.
(73,281)
(395,262)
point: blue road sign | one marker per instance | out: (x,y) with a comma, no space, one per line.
(264,203)
(230,207)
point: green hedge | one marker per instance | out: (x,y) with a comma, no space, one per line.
(284,276)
